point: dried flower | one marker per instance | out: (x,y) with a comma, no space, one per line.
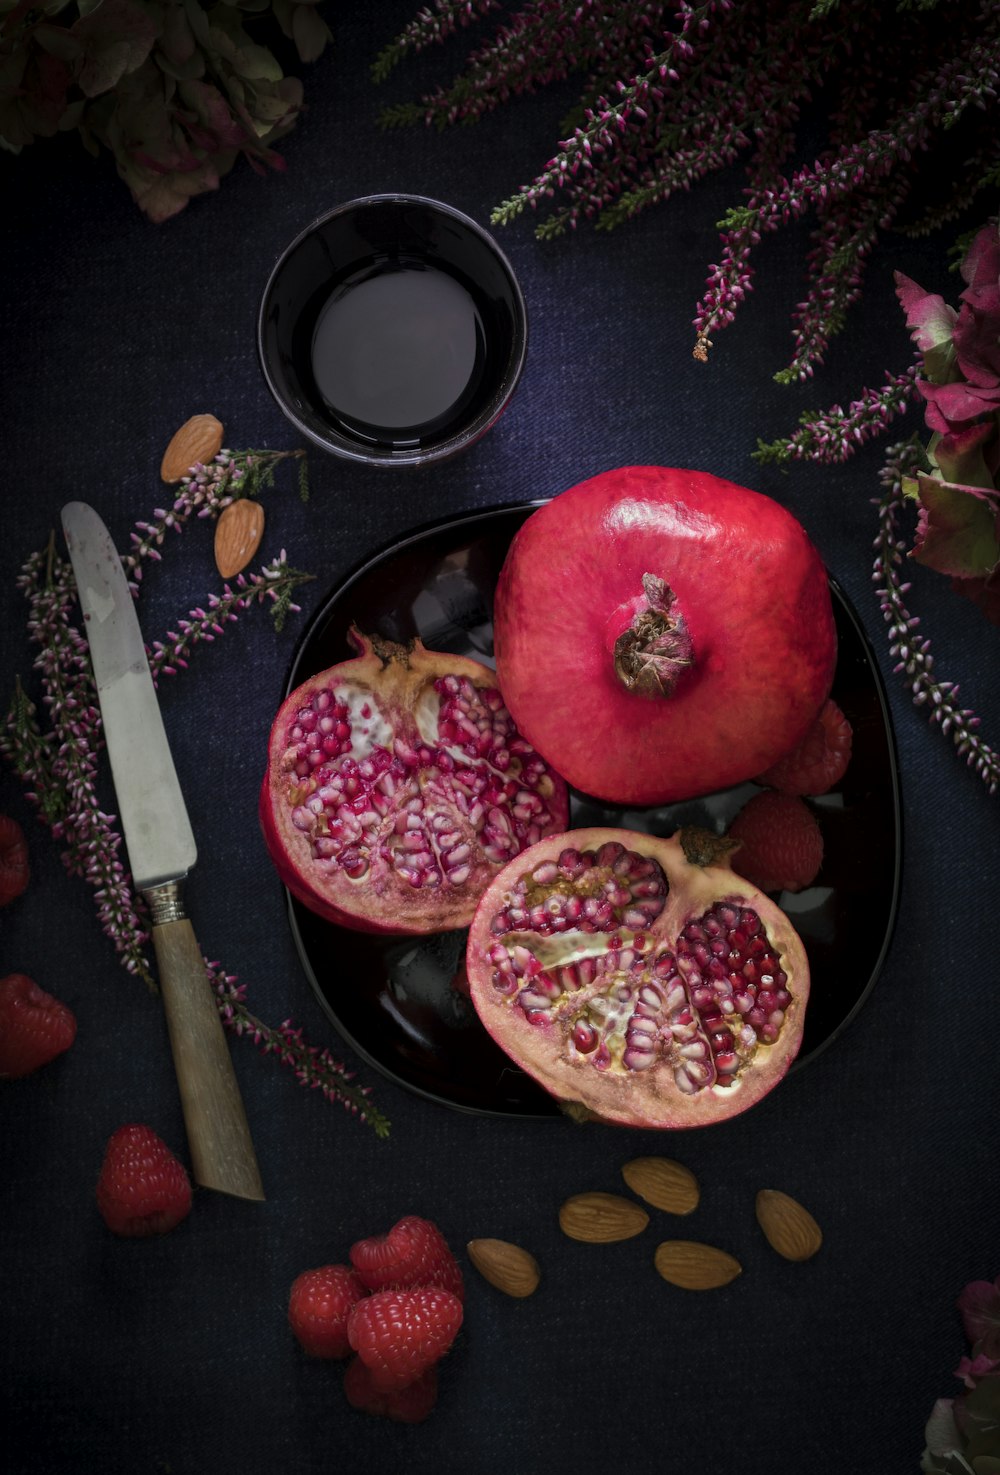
(668,98)
(963,1433)
(957,486)
(59,767)
(911,650)
(175,91)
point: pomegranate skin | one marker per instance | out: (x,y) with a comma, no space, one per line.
(756,610)
(623,1023)
(380,811)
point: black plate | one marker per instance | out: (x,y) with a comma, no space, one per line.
(392,999)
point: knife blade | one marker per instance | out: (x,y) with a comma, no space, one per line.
(161,850)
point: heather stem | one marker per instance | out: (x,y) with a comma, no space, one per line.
(911,651)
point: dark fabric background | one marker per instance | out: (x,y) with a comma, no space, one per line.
(120,1358)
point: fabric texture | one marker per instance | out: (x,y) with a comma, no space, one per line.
(174,1355)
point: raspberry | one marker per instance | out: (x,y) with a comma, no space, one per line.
(143,1189)
(400,1334)
(413,1254)
(782,848)
(819,761)
(15,872)
(34,1026)
(318,1307)
(409,1405)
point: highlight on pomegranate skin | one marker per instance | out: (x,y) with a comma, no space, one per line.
(397,787)
(639,978)
(663,634)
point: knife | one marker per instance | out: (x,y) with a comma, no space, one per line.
(161,851)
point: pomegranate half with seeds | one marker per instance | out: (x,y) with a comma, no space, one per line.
(662,634)
(397,787)
(638,979)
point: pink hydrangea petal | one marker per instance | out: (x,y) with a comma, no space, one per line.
(981,263)
(977,344)
(971,1369)
(928,316)
(979,1304)
(950,405)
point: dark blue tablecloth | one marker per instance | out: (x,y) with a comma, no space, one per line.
(174,1355)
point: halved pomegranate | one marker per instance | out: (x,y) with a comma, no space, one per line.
(639,979)
(397,786)
(662,634)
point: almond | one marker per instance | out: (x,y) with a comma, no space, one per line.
(601,1218)
(237,536)
(507,1267)
(663,1183)
(199,439)
(694,1266)
(788,1227)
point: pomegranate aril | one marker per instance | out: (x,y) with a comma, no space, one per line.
(585,1037)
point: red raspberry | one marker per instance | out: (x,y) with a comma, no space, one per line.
(318,1307)
(143,1189)
(400,1334)
(413,1254)
(819,761)
(34,1026)
(782,848)
(15,872)
(409,1405)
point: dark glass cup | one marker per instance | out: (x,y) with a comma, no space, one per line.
(392,331)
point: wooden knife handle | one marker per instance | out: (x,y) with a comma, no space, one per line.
(222,1154)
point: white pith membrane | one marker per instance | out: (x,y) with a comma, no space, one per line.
(419,791)
(577,952)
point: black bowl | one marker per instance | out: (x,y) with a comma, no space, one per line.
(392,331)
(398,1001)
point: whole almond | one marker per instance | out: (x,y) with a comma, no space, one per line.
(237,536)
(663,1183)
(199,439)
(601,1218)
(694,1266)
(507,1267)
(788,1227)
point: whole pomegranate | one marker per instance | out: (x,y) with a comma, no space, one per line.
(397,787)
(639,978)
(662,634)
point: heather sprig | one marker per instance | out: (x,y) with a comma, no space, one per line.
(832,435)
(849,177)
(911,650)
(671,93)
(206,491)
(432,24)
(274,584)
(317,1069)
(60,767)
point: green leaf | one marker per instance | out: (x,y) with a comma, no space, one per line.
(198,21)
(957,534)
(310,33)
(257,64)
(182,71)
(14,132)
(59,42)
(103,67)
